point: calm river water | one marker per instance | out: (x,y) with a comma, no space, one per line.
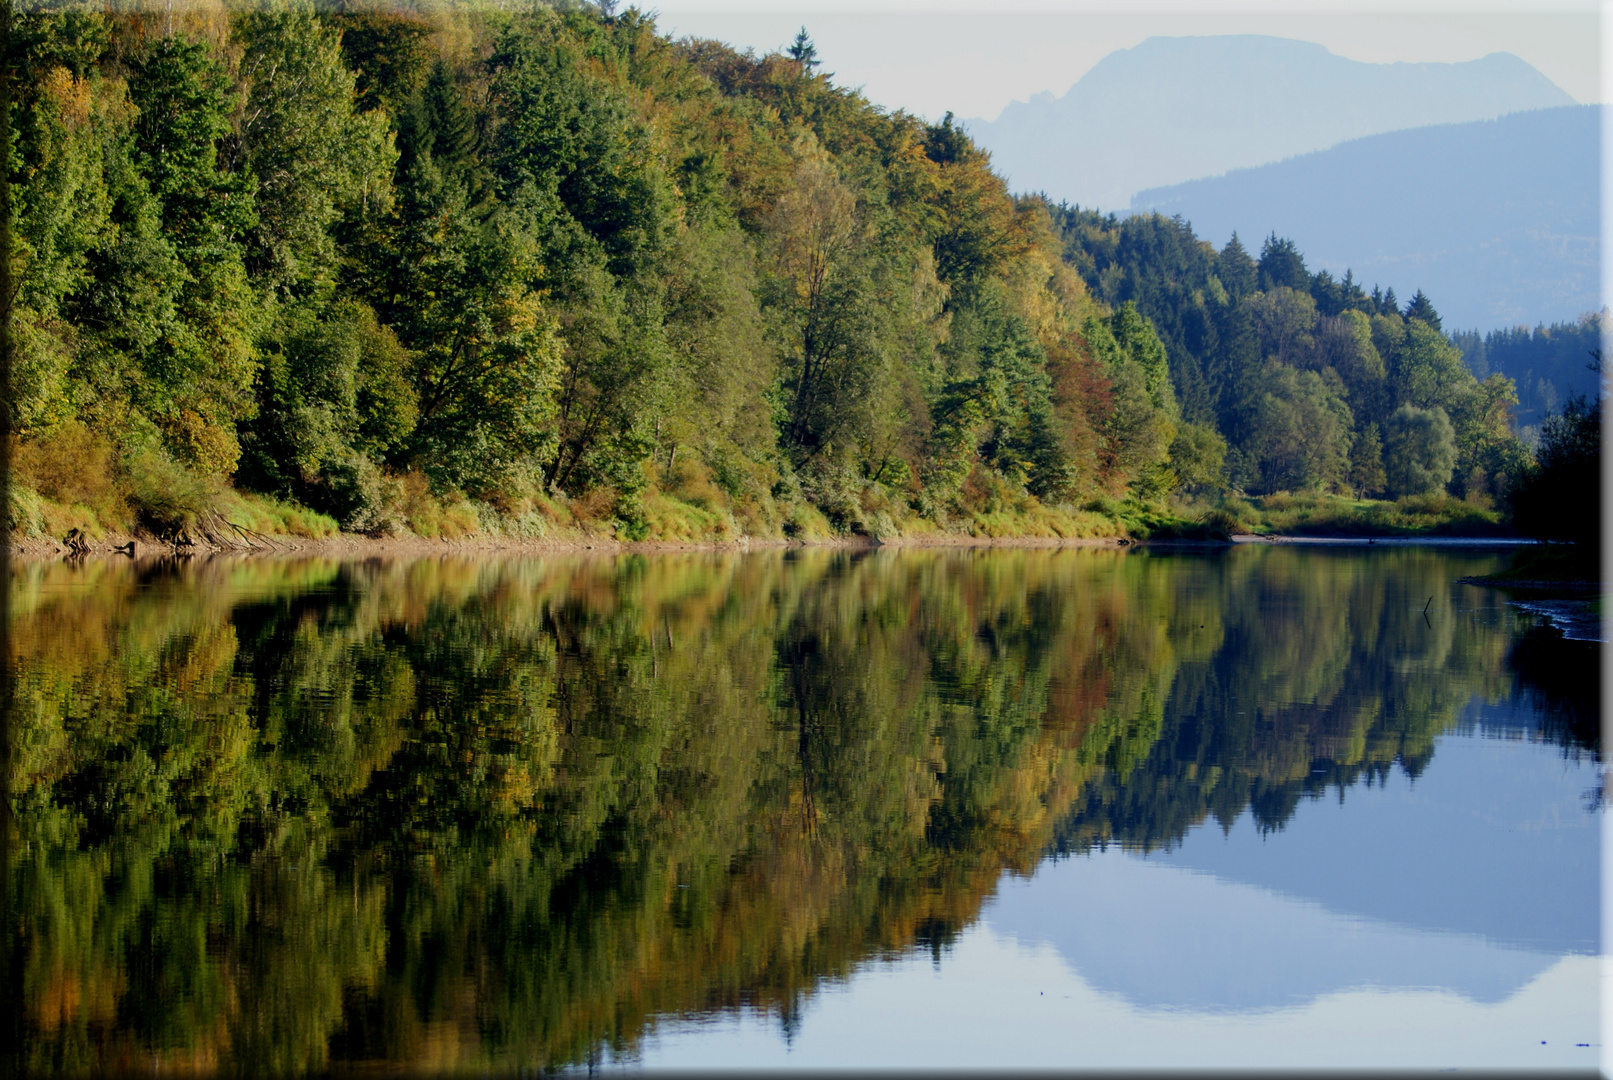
(917,808)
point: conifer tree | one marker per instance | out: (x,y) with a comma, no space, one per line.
(1423,308)
(1237,271)
(1281,264)
(803,52)
(438,122)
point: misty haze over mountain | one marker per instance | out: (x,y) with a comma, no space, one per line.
(1177,109)
(1499,221)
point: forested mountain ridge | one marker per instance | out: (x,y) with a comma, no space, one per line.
(1500,219)
(1174,109)
(477,270)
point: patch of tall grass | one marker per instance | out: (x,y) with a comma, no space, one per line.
(1319,514)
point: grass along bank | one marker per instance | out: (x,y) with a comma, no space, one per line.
(1337,515)
(77,482)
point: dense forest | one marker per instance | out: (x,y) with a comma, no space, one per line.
(470,269)
(461,813)
(1549,364)
(1313,381)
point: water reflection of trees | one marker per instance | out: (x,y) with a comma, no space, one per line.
(1327,672)
(1561,680)
(452,814)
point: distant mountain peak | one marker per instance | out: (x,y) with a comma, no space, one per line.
(1172,109)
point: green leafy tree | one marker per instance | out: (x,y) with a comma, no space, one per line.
(1235,370)
(197,373)
(185,99)
(823,279)
(1419,450)
(1344,343)
(975,227)
(1198,458)
(63,214)
(1560,499)
(722,362)
(438,122)
(1367,476)
(1285,319)
(568,137)
(336,397)
(1335,297)
(1134,336)
(1489,455)
(1143,421)
(570,132)
(1002,414)
(486,354)
(616,370)
(387,52)
(314,156)
(62,218)
(1427,370)
(1300,431)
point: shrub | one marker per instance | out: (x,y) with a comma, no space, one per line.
(427,514)
(1220,524)
(1104,505)
(71,466)
(165,495)
(26,517)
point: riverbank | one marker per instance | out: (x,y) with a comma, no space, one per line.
(1548,568)
(1562,584)
(351,546)
(240,522)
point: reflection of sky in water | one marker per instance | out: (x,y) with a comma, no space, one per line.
(1493,839)
(1446,921)
(996,1003)
(1163,937)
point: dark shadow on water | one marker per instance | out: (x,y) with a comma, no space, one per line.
(1561,679)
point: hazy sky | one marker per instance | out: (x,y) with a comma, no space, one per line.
(929,56)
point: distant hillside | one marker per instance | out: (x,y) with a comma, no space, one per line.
(1548,363)
(1175,109)
(1499,219)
